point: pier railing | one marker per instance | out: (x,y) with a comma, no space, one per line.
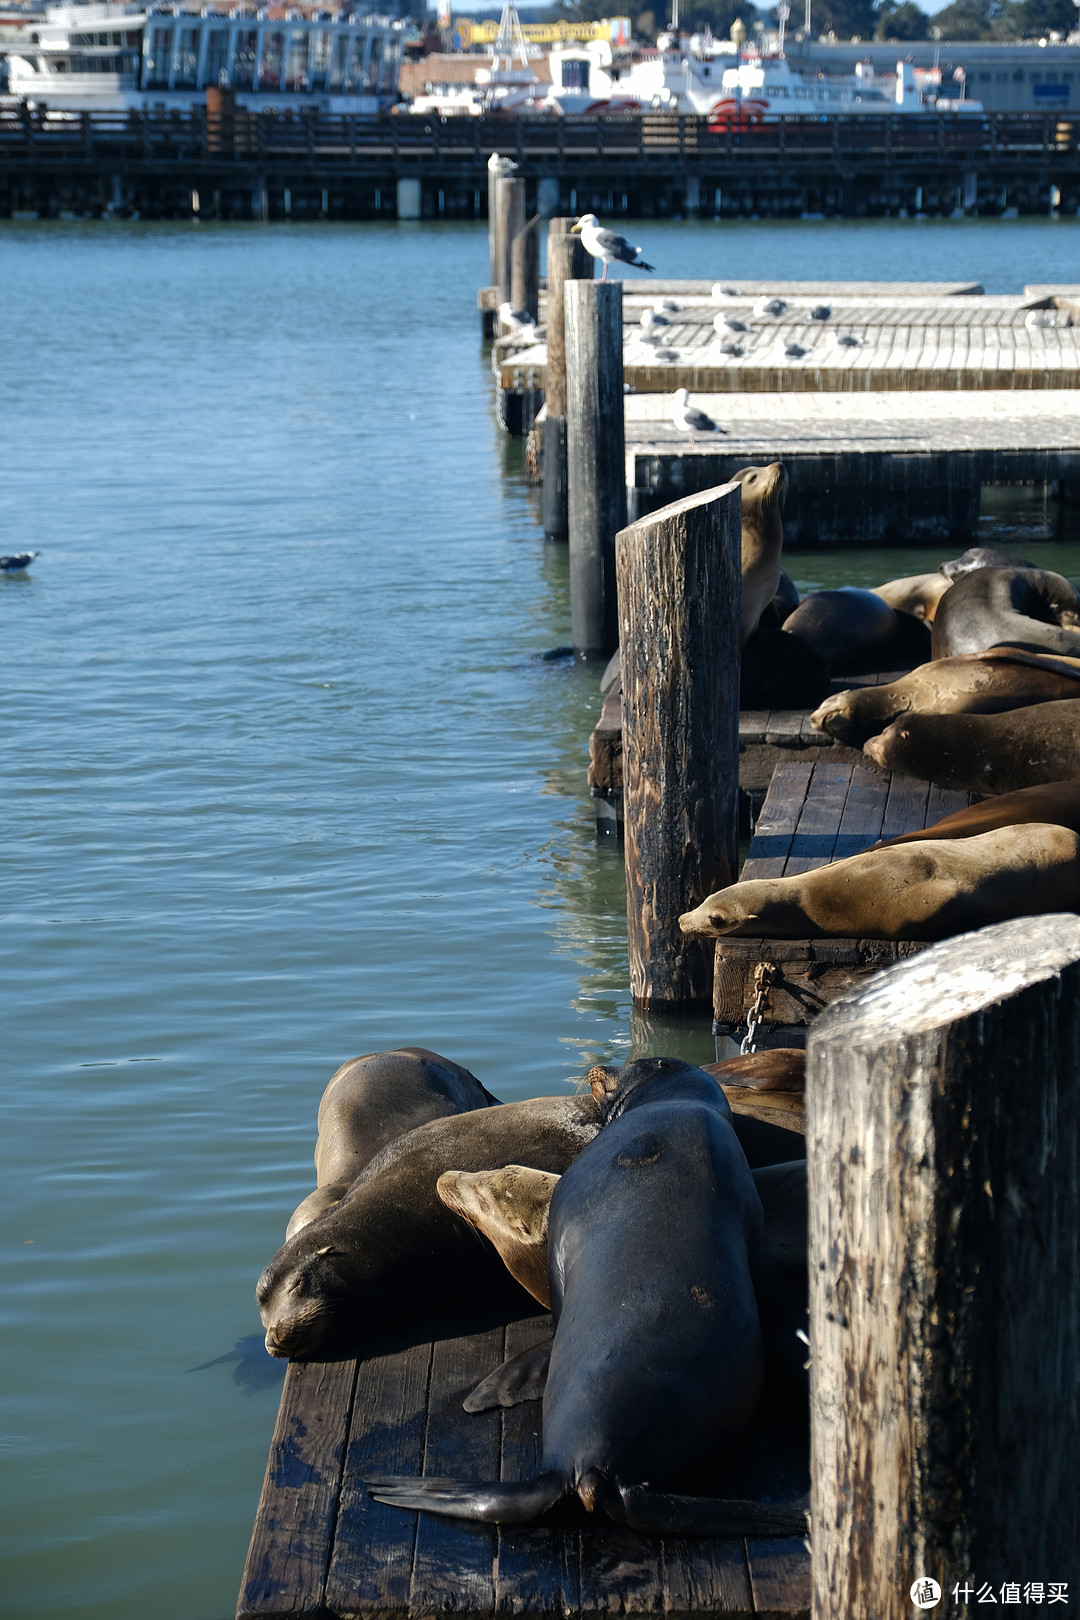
(460,146)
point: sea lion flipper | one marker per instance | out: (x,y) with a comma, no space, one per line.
(458,1499)
(660,1513)
(520,1379)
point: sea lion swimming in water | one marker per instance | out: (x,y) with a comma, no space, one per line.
(928,890)
(391,1251)
(971,683)
(1024,607)
(986,753)
(657,1362)
(369,1102)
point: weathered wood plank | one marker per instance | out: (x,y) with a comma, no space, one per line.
(906,808)
(775,829)
(864,811)
(780,1577)
(819,820)
(707,1577)
(371,1563)
(285,1574)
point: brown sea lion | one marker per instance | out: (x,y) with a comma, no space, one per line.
(768,1086)
(371,1100)
(972,683)
(1054,803)
(510,1207)
(391,1251)
(763,492)
(917,594)
(657,1364)
(981,557)
(986,753)
(1024,607)
(851,628)
(912,891)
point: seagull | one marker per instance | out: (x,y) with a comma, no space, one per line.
(788,346)
(770,306)
(652,321)
(1040,317)
(689,419)
(821,312)
(720,290)
(501,165)
(729,323)
(844,340)
(729,346)
(518,320)
(607,245)
(665,355)
(671,305)
(18,561)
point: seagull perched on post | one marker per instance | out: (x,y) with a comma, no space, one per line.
(689,419)
(607,245)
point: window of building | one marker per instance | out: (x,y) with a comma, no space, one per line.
(159,58)
(272,53)
(243,73)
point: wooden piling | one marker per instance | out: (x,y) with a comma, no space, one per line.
(509,220)
(943,1138)
(525,268)
(567,260)
(596,473)
(679,579)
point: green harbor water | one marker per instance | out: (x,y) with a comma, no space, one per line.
(287,780)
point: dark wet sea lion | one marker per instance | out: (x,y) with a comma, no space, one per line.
(371,1100)
(1024,607)
(763,492)
(780,671)
(786,599)
(1055,804)
(657,1362)
(972,683)
(850,628)
(912,891)
(986,753)
(391,1251)
(981,557)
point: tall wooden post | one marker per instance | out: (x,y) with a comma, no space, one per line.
(509,220)
(567,260)
(679,579)
(595,459)
(943,1139)
(525,269)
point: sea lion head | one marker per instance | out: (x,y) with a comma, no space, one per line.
(645,1079)
(754,907)
(763,488)
(885,748)
(510,1207)
(301,1293)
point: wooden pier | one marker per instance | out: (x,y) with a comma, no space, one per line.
(815,813)
(321,1547)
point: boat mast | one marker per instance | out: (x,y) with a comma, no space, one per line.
(510,42)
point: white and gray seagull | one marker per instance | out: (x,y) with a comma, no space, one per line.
(608,246)
(689,419)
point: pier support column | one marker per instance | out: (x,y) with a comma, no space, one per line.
(943,1141)
(567,260)
(679,579)
(525,269)
(693,194)
(509,221)
(595,455)
(547,196)
(260,200)
(409,199)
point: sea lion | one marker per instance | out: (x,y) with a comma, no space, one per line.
(786,599)
(763,492)
(391,1251)
(912,891)
(852,629)
(780,671)
(1054,803)
(657,1363)
(917,594)
(981,557)
(972,683)
(511,1207)
(1025,607)
(371,1100)
(986,753)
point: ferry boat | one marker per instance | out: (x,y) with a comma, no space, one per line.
(729,86)
(115,58)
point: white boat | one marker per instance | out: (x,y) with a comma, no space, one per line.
(714,79)
(509,85)
(115,58)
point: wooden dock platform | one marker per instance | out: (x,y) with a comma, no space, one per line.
(322,1548)
(815,813)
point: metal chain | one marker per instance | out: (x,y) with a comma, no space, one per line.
(764,975)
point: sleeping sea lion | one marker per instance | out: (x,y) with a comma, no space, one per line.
(981,557)
(1025,607)
(911,891)
(780,671)
(986,753)
(371,1100)
(510,1207)
(763,492)
(771,1090)
(1054,803)
(657,1363)
(917,594)
(391,1251)
(972,683)
(852,629)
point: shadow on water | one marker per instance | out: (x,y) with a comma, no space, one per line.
(253,1369)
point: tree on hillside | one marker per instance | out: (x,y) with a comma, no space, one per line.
(648,17)
(901,21)
(1033,19)
(965,19)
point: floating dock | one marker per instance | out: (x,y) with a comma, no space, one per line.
(815,813)
(321,1547)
